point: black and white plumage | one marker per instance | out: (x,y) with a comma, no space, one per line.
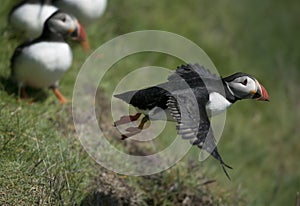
(86,11)
(190,96)
(29,16)
(41,63)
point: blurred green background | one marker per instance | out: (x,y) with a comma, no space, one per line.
(260,140)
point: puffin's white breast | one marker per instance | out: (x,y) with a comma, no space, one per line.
(31,17)
(42,64)
(217,103)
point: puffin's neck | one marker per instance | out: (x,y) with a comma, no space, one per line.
(42,2)
(229,93)
(49,35)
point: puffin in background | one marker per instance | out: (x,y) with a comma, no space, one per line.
(29,16)
(41,63)
(86,11)
(190,96)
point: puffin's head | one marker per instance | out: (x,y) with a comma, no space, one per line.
(67,25)
(244,86)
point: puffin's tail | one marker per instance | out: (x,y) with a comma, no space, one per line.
(126,96)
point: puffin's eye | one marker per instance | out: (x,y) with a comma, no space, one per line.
(244,82)
(64,19)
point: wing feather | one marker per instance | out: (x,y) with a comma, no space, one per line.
(193,124)
(192,71)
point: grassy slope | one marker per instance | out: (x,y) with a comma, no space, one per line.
(259,140)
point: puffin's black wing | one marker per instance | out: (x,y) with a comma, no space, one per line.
(17,53)
(192,71)
(193,123)
(14,57)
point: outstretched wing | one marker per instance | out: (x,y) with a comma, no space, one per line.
(192,71)
(193,123)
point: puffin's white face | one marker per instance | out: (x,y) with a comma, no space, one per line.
(246,87)
(67,25)
(63,23)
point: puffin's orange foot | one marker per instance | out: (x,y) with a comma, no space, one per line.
(142,123)
(61,98)
(24,94)
(131,132)
(127,119)
(135,130)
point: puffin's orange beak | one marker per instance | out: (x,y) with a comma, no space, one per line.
(80,35)
(264,96)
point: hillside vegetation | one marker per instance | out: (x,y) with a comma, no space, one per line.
(42,161)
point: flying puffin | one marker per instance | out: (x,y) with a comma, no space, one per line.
(86,11)
(29,16)
(41,63)
(190,97)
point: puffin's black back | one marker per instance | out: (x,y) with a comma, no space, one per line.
(146,99)
(185,77)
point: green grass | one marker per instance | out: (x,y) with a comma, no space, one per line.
(42,161)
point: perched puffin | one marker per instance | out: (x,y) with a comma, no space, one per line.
(41,63)
(29,16)
(191,95)
(86,11)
